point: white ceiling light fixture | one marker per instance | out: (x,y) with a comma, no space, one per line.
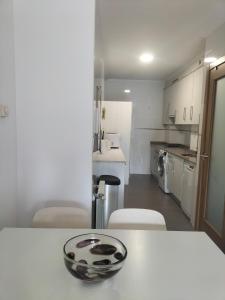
(146,58)
(127,91)
(210,59)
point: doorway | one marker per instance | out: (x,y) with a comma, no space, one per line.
(211,192)
(139,64)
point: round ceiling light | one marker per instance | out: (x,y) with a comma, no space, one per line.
(146,58)
(127,91)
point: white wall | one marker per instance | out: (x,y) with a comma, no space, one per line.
(98,83)
(7,125)
(215,43)
(54,55)
(147,98)
(118,116)
(99,70)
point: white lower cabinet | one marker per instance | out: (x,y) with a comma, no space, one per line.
(175,173)
(177,178)
(181,183)
(188,189)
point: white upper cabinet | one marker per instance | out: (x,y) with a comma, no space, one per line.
(166,106)
(182,100)
(169,104)
(198,94)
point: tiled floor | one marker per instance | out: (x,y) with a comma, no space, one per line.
(143,192)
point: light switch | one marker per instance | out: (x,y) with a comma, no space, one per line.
(4,111)
(1,110)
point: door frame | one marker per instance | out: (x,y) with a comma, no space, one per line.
(216,71)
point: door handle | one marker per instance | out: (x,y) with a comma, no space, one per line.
(204,156)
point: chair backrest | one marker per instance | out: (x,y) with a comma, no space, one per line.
(132,218)
(61,217)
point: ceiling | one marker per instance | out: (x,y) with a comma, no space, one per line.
(173,30)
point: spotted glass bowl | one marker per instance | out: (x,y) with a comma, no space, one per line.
(93,256)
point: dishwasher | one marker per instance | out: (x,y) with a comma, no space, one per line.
(188,189)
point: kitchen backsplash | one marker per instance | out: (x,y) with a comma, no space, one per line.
(194,141)
(177,137)
(185,136)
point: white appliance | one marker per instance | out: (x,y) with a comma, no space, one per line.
(162,170)
(114,138)
(188,190)
(170,173)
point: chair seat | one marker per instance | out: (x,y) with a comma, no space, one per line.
(133,218)
(61,217)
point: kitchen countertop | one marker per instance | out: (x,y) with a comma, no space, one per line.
(158,143)
(113,155)
(177,150)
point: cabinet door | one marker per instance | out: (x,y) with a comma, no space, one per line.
(169,104)
(179,102)
(166,106)
(184,98)
(178,174)
(173,101)
(195,106)
(188,189)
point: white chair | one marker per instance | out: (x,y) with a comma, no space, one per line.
(61,217)
(133,218)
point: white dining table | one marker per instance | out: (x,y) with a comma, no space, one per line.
(160,266)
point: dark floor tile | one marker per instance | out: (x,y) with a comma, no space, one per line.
(144,192)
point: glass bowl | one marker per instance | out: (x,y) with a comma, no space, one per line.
(93,256)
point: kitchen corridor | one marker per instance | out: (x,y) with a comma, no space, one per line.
(144,192)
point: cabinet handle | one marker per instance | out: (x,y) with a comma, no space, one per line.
(191,112)
(184,114)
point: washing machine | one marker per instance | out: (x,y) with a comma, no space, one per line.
(162,170)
